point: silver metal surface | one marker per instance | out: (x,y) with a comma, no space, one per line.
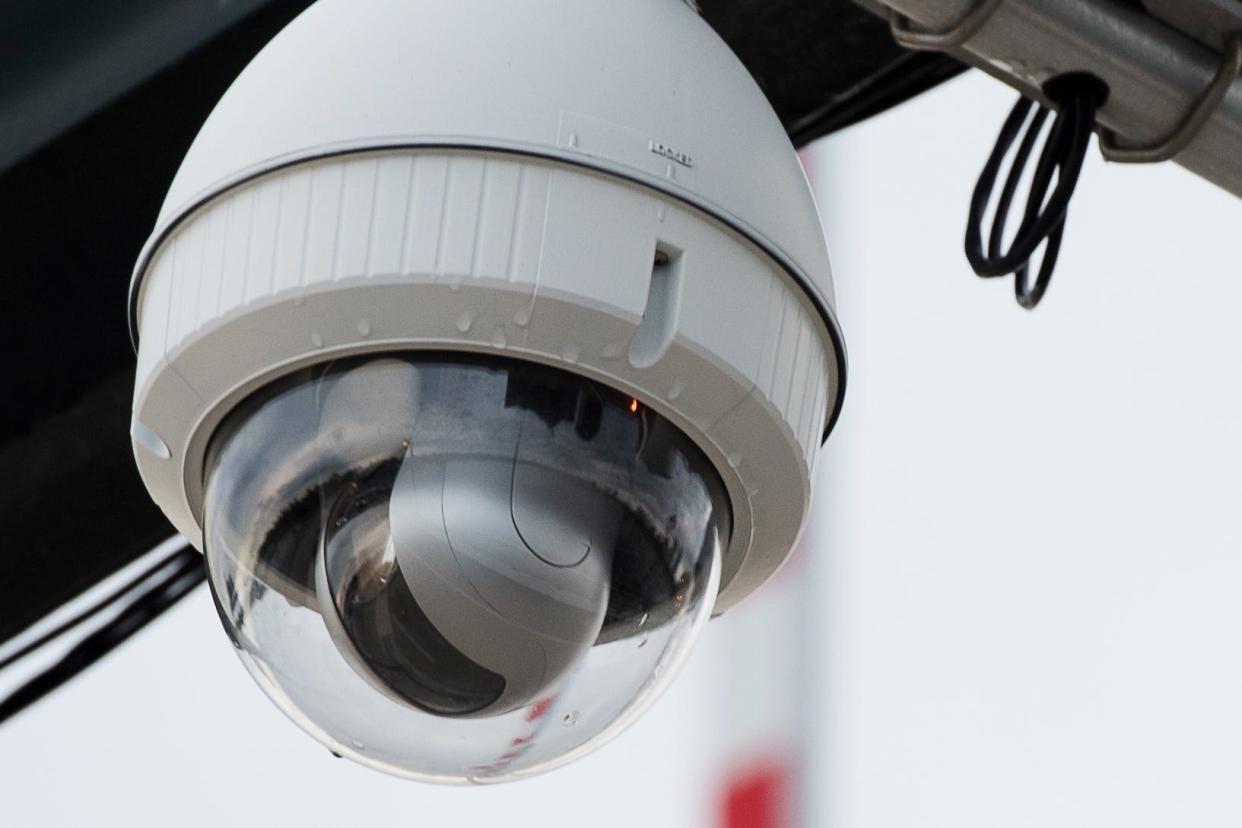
(1208,21)
(1181,137)
(1156,74)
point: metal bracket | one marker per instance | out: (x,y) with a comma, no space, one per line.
(1185,132)
(1110,147)
(961,31)
(1160,78)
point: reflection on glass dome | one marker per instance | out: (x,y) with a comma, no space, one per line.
(459,570)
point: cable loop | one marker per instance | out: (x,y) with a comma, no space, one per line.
(1043,219)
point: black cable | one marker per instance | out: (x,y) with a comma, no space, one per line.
(1076,98)
(187,573)
(93,610)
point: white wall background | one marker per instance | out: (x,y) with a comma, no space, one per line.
(1027,562)
(1031,525)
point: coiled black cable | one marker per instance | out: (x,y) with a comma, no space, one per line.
(1076,98)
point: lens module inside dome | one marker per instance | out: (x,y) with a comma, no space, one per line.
(459,569)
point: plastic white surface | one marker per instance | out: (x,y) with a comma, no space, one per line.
(594,80)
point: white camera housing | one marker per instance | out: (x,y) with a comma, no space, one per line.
(590,185)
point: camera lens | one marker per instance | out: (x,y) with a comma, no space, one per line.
(459,568)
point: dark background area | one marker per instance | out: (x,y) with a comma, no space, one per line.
(98,103)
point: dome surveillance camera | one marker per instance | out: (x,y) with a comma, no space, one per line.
(485,350)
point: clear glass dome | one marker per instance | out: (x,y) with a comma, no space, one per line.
(459,570)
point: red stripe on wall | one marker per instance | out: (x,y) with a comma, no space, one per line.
(757,797)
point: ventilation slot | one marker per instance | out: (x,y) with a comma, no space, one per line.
(655,333)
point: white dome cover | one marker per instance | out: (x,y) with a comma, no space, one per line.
(352,74)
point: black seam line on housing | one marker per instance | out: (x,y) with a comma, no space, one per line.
(188,210)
